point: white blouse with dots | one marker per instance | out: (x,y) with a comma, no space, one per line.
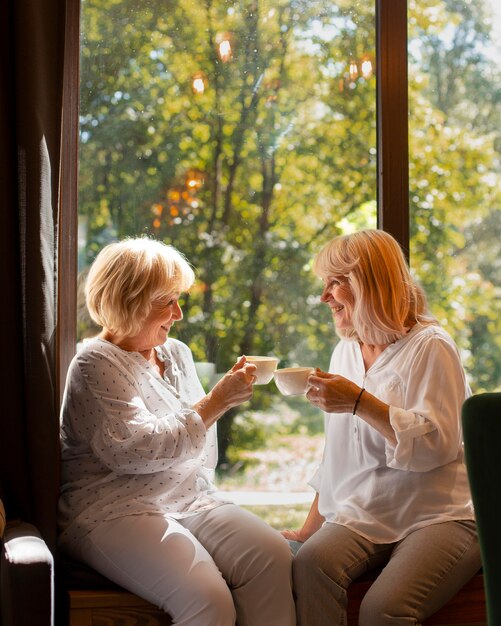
(131,443)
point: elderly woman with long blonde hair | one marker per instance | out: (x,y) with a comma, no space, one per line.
(139,451)
(391,489)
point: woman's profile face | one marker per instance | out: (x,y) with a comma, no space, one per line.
(338,296)
(164,313)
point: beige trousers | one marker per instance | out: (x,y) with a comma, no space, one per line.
(422,572)
(217,568)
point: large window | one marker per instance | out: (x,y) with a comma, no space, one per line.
(249,133)
(245,135)
(455,173)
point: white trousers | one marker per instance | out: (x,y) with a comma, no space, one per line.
(215,568)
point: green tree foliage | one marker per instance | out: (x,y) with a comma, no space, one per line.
(249,163)
(248,176)
(455,125)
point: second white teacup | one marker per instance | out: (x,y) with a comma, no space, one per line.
(265,365)
(292,381)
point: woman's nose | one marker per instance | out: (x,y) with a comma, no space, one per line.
(325,295)
(178,312)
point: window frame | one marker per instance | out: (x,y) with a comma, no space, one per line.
(392,157)
(392,120)
(67,265)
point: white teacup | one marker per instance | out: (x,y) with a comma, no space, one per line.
(293,381)
(265,365)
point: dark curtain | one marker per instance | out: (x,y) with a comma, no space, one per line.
(31,71)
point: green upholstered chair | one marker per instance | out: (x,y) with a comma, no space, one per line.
(481,418)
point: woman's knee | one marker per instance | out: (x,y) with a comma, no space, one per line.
(218,604)
(271,552)
(307,563)
(208,603)
(279,551)
(268,564)
(379,609)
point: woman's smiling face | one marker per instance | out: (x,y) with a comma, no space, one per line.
(338,296)
(164,313)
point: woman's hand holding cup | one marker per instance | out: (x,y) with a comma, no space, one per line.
(331,393)
(236,385)
(234,388)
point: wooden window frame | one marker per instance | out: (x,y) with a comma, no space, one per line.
(392,157)
(67,265)
(392,120)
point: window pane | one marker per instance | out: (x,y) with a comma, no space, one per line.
(455,174)
(243,133)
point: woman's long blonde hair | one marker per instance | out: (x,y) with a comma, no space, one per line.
(387,300)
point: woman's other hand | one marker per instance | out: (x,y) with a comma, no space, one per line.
(312,523)
(294,535)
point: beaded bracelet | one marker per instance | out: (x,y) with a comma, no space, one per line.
(358,400)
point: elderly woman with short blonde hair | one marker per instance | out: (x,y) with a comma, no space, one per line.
(139,451)
(391,490)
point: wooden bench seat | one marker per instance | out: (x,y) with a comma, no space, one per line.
(114,607)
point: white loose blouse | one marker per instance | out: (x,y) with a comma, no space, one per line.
(381,491)
(131,441)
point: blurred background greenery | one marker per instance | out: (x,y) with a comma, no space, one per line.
(243,132)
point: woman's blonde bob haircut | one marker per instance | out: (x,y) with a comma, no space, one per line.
(387,300)
(128,277)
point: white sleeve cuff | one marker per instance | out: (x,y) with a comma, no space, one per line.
(316,479)
(407,427)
